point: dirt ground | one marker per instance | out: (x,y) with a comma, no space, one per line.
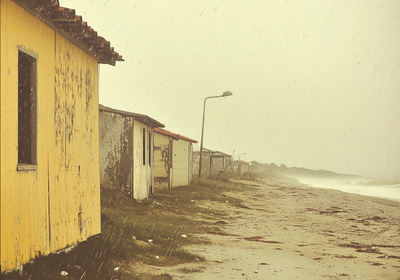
(296,232)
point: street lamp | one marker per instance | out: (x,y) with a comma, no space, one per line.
(225,94)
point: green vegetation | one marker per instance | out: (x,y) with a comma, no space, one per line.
(152,231)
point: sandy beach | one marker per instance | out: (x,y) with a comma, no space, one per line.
(292,231)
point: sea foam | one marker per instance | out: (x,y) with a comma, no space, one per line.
(362,186)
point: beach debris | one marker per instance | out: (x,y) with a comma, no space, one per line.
(150,240)
(116,269)
(184,235)
(255,271)
(157,257)
(64,273)
(134,237)
(142,243)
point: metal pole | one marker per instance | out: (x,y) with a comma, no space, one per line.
(225,94)
(202,134)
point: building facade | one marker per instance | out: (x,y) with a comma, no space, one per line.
(126,152)
(172,159)
(49,171)
(212,162)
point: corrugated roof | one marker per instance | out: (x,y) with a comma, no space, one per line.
(139,117)
(173,135)
(73,28)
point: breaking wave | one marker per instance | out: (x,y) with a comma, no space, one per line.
(362,186)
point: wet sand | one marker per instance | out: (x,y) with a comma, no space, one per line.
(292,231)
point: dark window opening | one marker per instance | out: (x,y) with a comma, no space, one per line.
(149,148)
(27,127)
(144,146)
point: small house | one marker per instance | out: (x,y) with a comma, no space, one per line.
(49,164)
(126,152)
(212,162)
(241,166)
(172,159)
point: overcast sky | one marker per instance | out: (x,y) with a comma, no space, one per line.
(315,84)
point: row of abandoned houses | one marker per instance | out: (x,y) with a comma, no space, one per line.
(58,145)
(137,155)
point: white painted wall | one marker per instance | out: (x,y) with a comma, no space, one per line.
(143,173)
(181,163)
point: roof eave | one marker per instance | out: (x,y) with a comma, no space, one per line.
(92,44)
(139,117)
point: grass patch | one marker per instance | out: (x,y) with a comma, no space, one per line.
(128,225)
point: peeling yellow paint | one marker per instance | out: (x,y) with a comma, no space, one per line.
(58,203)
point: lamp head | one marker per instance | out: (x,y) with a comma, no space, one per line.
(227,93)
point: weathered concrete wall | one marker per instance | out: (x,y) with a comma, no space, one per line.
(228,163)
(217,164)
(241,168)
(126,154)
(190,162)
(116,152)
(205,164)
(162,161)
(195,163)
(57,203)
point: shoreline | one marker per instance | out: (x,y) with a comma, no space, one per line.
(293,231)
(326,183)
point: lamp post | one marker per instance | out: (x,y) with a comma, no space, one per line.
(225,94)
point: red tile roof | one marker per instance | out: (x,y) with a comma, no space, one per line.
(73,28)
(167,133)
(187,139)
(173,135)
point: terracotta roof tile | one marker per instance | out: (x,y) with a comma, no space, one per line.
(167,133)
(73,28)
(173,135)
(187,139)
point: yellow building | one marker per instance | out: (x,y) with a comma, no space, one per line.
(49,147)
